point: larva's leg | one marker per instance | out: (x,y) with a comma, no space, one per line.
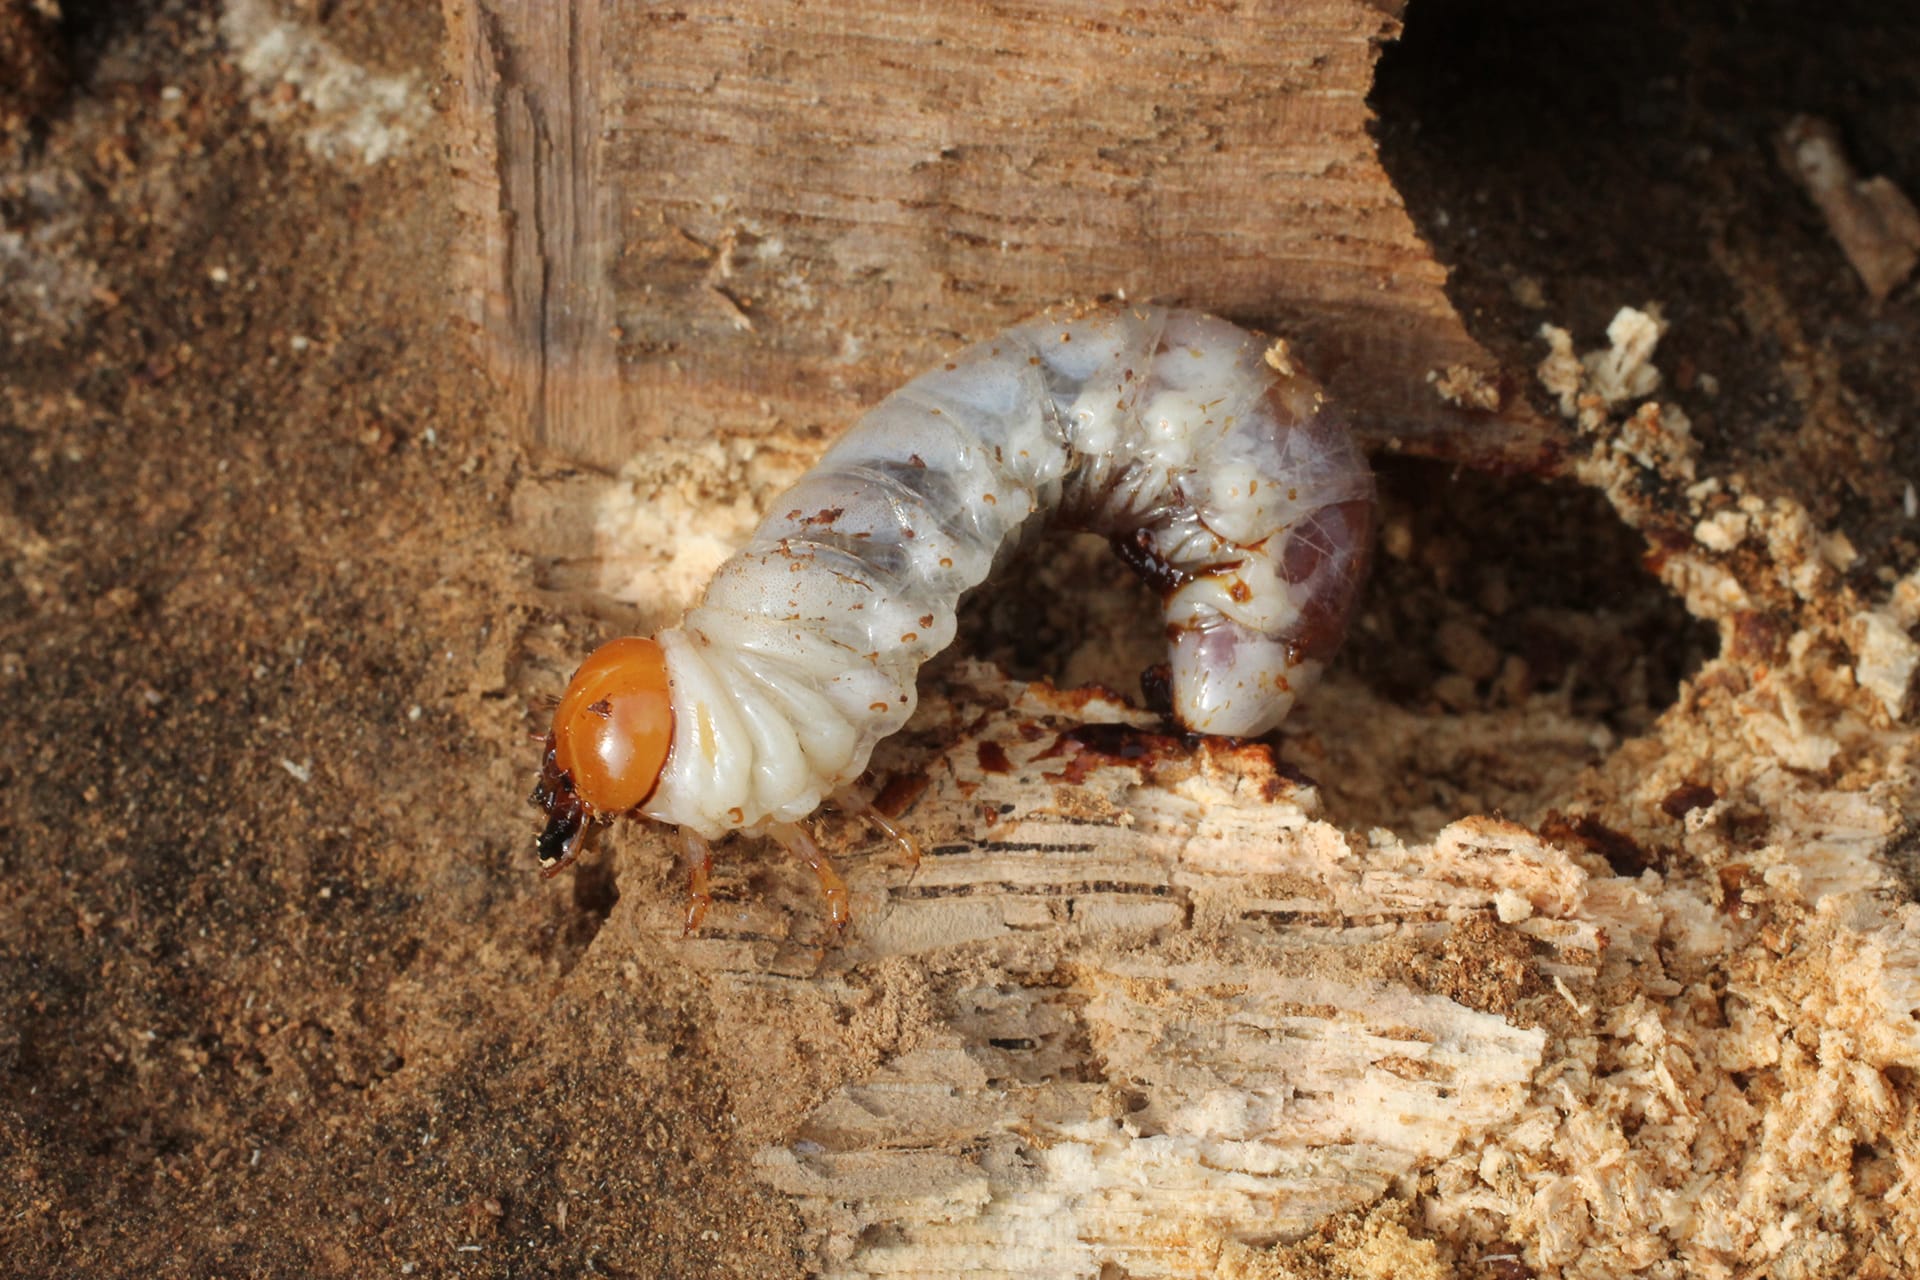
(797,842)
(858,805)
(696,855)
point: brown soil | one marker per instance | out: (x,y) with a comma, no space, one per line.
(282,994)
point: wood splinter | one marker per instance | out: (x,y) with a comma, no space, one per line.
(1874,221)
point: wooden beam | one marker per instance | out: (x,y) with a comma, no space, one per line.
(713,219)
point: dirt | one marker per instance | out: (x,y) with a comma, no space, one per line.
(283,995)
(280,990)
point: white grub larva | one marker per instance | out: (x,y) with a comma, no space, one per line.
(1217,471)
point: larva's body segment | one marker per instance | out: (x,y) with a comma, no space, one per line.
(1166,430)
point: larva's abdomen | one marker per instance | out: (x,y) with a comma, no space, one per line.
(1169,430)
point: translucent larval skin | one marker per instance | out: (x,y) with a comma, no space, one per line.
(1232,484)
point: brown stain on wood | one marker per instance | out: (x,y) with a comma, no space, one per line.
(993,758)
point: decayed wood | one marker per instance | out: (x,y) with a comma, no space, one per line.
(1159,1014)
(1172,1007)
(1874,221)
(1148,1012)
(816,201)
(1143,1009)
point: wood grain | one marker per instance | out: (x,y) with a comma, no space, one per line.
(812,202)
(538,206)
(1169,1004)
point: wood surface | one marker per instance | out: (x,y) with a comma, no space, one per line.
(713,219)
(1172,1006)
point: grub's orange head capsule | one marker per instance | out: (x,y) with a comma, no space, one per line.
(610,738)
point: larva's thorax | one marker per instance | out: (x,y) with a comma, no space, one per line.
(1168,430)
